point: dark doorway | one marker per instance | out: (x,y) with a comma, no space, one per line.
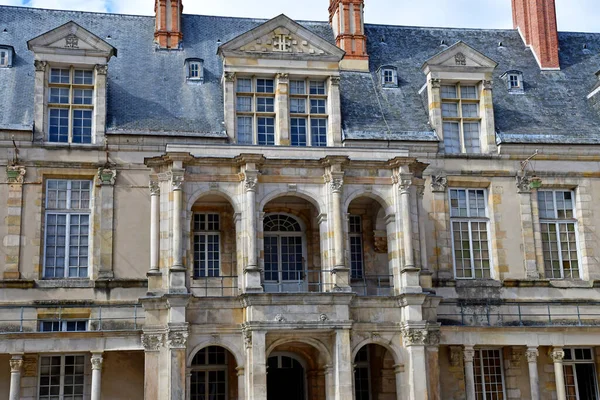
(285,378)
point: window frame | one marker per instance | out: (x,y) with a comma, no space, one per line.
(482,370)
(68,212)
(573,362)
(365,364)
(255,115)
(62,374)
(71,106)
(470,220)
(459,119)
(557,222)
(63,325)
(202,272)
(313,120)
(353,234)
(392,73)
(207,368)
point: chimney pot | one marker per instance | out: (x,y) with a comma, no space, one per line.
(167,31)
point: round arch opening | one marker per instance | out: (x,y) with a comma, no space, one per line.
(213,374)
(374,375)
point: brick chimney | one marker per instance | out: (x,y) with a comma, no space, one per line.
(167,29)
(347,20)
(536,21)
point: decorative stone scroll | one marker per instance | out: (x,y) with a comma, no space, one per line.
(414,336)
(523,183)
(177,339)
(439,183)
(152,341)
(16,364)
(557,354)
(154,188)
(15,173)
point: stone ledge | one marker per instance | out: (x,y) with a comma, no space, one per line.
(517,283)
(17,284)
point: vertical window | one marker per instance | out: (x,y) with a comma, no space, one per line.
(559,233)
(255,108)
(3,58)
(513,81)
(356,247)
(580,374)
(195,69)
(67,228)
(70,105)
(470,241)
(308,113)
(362,390)
(489,374)
(63,326)
(389,77)
(209,374)
(461,119)
(61,377)
(207,245)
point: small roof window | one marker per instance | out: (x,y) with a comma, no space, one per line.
(389,76)
(194,70)
(6,56)
(514,81)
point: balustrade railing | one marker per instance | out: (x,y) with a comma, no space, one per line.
(215,286)
(373,285)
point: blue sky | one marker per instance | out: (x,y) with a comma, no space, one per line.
(573,15)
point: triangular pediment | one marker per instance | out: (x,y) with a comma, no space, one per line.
(73,39)
(460,56)
(281,37)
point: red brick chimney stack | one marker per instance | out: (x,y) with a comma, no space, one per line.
(347,20)
(167,30)
(536,21)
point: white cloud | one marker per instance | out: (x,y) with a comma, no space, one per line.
(80,5)
(11,2)
(137,7)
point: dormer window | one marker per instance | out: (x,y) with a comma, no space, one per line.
(194,69)
(461,119)
(6,53)
(514,81)
(389,76)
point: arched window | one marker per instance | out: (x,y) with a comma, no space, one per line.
(209,374)
(284,254)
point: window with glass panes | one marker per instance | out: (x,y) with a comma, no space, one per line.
(3,58)
(469,221)
(362,390)
(461,118)
(513,81)
(255,111)
(209,374)
(558,226)
(580,374)
(63,326)
(356,246)
(207,245)
(70,105)
(489,374)
(308,113)
(67,228)
(61,377)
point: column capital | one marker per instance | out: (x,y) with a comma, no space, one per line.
(250,179)
(15,173)
(247,338)
(523,184)
(177,339)
(414,336)
(282,76)
(96,361)
(468,354)
(177,179)
(101,69)
(16,363)
(153,341)
(229,76)
(335,180)
(154,187)
(40,65)
(435,83)
(107,175)
(439,183)
(532,354)
(557,354)
(334,80)
(488,84)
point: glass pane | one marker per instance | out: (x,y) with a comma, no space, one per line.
(244,85)
(244,130)
(317,87)
(451,137)
(298,106)
(298,131)
(265,104)
(266,131)
(297,87)
(468,92)
(471,133)
(244,104)
(82,77)
(449,110)
(448,92)
(265,86)
(58,125)
(82,126)
(318,129)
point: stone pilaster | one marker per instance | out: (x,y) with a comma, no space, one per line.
(334,128)
(415,337)
(229,100)
(40,101)
(16,366)
(488,132)
(342,366)
(99,125)
(252,272)
(256,364)
(177,269)
(96,361)
(441,233)
(12,241)
(154,274)
(282,120)
(176,343)
(527,229)
(153,342)
(557,355)
(106,178)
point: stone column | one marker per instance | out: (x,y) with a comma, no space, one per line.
(16,365)
(177,271)
(342,366)
(256,365)
(12,241)
(398,371)
(425,275)
(534,380)
(557,355)
(96,375)
(469,355)
(527,227)
(229,97)
(282,118)
(107,176)
(329,388)
(415,338)
(252,271)
(241,379)
(441,234)
(177,342)
(153,342)
(433,371)
(334,137)
(154,226)
(409,273)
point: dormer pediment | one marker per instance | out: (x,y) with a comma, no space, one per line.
(459,57)
(281,38)
(73,40)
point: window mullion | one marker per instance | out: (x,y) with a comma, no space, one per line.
(67,244)
(559,247)
(471,251)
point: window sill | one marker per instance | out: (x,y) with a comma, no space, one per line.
(82,146)
(65,283)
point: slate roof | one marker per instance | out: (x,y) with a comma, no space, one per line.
(147,91)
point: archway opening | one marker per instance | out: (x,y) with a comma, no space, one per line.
(374,376)
(213,375)
(368,248)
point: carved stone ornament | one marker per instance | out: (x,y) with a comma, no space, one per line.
(152,341)
(177,339)
(516,355)
(523,184)
(456,356)
(16,364)
(488,85)
(40,65)
(154,188)
(557,355)
(323,317)
(282,43)
(334,80)
(435,83)
(460,59)
(72,42)
(96,362)
(439,183)
(420,190)
(414,336)
(15,173)
(404,185)
(107,176)
(279,318)
(336,184)
(102,69)
(433,338)
(247,338)
(469,354)
(250,183)
(380,245)
(283,76)
(532,355)
(229,76)
(177,181)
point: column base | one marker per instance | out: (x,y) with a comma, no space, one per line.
(341,279)
(252,281)
(177,280)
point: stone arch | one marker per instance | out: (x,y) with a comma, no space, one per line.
(317,344)
(237,353)
(319,206)
(204,190)
(355,194)
(394,350)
